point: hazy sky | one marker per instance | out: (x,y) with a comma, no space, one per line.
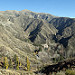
(64,8)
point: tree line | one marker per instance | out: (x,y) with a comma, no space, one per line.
(14,63)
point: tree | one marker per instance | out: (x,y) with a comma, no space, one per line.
(20,64)
(61,58)
(10,63)
(40,49)
(28,64)
(5,63)
(14,58)
(16,61)
(2,59)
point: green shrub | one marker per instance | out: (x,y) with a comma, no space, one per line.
(70,72)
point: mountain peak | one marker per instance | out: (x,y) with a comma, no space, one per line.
(26,10)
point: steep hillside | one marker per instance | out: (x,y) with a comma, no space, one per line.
(22,35)
(24,32)
(66,33)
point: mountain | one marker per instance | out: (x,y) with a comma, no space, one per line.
(66,33)
(23,32)
(28,13)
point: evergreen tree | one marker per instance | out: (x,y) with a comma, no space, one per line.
(28,64)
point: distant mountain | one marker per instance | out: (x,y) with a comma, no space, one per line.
(28,13)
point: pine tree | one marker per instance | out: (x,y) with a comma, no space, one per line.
(5,63)
(28,64)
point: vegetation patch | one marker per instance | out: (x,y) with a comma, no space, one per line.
(70,72)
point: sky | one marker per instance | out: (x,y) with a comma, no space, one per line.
(62,8)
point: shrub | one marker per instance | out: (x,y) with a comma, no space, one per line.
(70,72)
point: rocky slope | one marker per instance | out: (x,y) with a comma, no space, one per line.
(23,32)
(66,33)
